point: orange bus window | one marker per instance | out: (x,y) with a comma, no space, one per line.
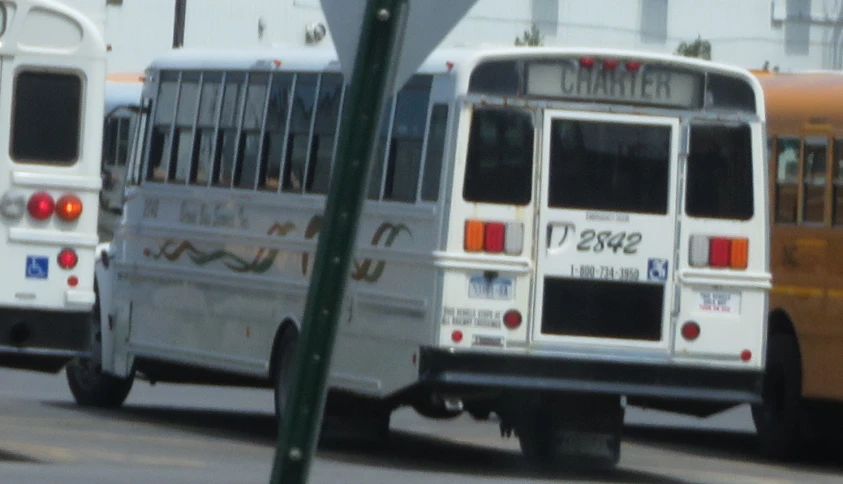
(787,179)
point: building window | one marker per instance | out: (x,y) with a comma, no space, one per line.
(546,16)
(654,21)
(797,30)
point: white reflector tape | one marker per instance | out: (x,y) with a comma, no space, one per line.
(514,238)
(699,251)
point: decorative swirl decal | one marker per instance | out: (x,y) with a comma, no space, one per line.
(367,270)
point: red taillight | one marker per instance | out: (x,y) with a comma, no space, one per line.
(610,64)
(494,239)
(587,62)
(633,66)
(721,252)
(41,206)
(690,331)
(746,355)
(512,319)
(67,259)
(69,208)
(456,336)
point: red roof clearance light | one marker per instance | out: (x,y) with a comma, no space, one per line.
(610,64)
(633,66)
(587,62)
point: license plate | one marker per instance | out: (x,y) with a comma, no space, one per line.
(720,302)
(499,288)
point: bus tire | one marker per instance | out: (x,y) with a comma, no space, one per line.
(88,384)
(93,388)
(285,355)
(777,419)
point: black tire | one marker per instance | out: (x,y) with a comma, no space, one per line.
(777,420)
(88,384)
(285,355)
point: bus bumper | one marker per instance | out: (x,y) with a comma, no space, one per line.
(43,340)
(470,371)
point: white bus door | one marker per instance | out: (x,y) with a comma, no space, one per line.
(607,222)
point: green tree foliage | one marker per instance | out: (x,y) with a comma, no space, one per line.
(699,48)
(532,37)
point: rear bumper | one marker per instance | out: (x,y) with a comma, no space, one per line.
(42,340)
(639,380)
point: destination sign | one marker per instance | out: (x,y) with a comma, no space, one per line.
(647,85)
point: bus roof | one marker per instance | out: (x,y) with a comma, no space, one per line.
(439,62)
(796,100)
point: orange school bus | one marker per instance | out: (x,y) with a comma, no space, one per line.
(803,389)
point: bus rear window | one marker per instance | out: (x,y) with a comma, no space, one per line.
(720,172)
(596,165)
(46,118)
(499,165)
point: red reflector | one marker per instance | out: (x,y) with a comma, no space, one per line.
(720,252)
(746,355)
(633,66)
(72,281)
(494,238)
(610,64)
(690,331)
(41,206)
(68,259)
(512,319)
(456,336)
(587,62)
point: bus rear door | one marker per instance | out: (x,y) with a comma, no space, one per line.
(608,216)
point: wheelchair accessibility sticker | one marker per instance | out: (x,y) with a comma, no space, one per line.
(657,270)
(37,267)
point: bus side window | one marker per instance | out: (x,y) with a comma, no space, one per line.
(249,157)
(325,133)
(838,181)
(787,179)
(298,144)
(183,136)
(276,130)
(223,172)
(814,179)
(408,133)
(165,112)
(432,173)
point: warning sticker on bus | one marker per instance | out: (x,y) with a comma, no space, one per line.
(720,302)
(500,288)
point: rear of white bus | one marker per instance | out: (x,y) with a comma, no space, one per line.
(52,74)
(604,241)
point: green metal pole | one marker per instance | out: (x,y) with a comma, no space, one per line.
(371,85)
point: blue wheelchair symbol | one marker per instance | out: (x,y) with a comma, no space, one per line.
(657,270)
(37,267)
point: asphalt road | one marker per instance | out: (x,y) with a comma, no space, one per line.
(185,434)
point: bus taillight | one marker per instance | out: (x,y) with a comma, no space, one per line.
(41,206)
(69,208)
(719,252)
(512,319)
(494,237)
(68,259)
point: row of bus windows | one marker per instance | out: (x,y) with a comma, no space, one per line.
(278,132)
(813,152)
(609,166)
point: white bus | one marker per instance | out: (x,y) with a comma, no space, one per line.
(122,105)
(548,232)
(52,75)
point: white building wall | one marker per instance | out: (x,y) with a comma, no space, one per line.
(791,34)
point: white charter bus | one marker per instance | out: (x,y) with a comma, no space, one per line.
(52,75)
(122,107)
(547,232)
